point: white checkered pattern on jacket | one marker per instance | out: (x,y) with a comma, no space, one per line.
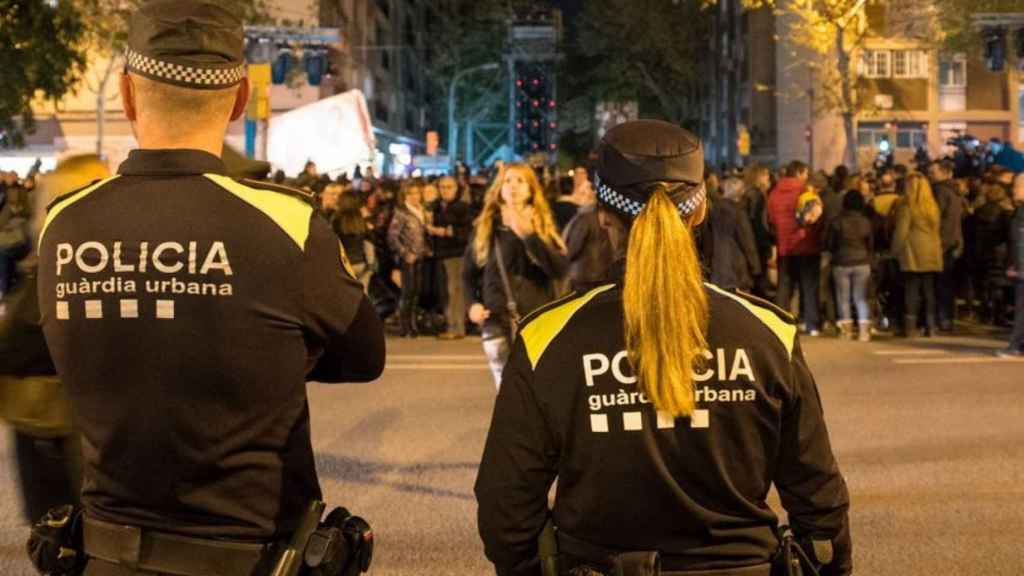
(210,77)
(632,207)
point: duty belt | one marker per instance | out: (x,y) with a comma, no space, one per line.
(586,552)
(151,551)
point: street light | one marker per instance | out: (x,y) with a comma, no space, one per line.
(452,130)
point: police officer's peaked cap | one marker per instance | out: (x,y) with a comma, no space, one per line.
(188,43)
(637,154)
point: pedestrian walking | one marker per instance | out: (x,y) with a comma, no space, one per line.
(798,231)
(851,242)
(407,238)
(665,407)
(757,183)
(588,248)
(951,211)
(917,246)
(514,257)
(351,227)
(454,222)
(727,240)
(1016,272)
(185,311)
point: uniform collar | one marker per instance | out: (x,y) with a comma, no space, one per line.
(171,162)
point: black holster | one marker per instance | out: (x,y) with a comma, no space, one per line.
(55,544)
(799,558)
(342,545)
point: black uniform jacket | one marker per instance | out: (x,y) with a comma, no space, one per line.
(630,478)
(185,311)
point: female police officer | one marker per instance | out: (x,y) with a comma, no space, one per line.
(666,407)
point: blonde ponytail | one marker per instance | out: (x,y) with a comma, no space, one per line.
(666,307)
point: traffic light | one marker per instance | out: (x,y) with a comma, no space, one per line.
(995,48)
(536,110)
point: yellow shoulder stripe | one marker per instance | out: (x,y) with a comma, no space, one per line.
(540,332)
(784,331)
(288,212)
(59,207)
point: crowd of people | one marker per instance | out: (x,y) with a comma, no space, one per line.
(900,249)
(896,249)
(851,254)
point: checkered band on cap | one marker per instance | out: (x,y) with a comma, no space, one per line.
(631,207)
(189,76)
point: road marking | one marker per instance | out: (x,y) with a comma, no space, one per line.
(960,360)
(437,357)
(445,367)
(910,352)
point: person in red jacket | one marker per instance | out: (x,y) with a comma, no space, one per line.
(799,246)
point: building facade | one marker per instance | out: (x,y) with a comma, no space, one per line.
(387,52)
(912,94)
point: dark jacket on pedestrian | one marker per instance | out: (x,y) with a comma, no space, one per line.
(757,206)
(951,205)
(589,250)
(991,223)
(532,268)
(727,247)
(1017,237)
(792,238)
(407,234)
(851,236)
(457,216)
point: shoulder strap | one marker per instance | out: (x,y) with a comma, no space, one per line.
(513,308)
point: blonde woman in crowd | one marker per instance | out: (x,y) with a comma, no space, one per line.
(513,260)
(917,246)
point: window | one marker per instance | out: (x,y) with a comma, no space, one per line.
(909,64)
(912,137)
(953,72)
(871,135)
(875,64)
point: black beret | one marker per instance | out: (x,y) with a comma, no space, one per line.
(644,152)
(188,43)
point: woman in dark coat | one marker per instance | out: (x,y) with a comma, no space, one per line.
(516,223)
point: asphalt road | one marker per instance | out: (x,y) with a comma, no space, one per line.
(930,436)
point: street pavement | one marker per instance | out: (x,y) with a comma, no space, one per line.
(929,434)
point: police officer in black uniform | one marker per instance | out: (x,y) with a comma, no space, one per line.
(185,311)
(665,407)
